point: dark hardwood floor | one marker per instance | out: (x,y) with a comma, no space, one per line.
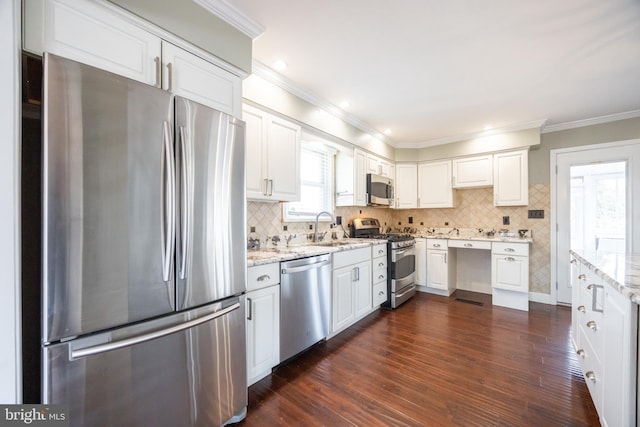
(434,362)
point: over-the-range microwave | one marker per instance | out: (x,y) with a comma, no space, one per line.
(379,190)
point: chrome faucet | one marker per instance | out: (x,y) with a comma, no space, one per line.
(315,230)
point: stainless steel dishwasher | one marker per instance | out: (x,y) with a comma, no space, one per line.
(305,303)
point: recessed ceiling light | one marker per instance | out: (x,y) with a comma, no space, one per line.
(279,65)
(344,104)
(387,131)
(487,127)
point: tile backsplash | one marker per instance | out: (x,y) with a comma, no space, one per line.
(474,209)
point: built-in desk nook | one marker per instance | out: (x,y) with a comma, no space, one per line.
(495,266)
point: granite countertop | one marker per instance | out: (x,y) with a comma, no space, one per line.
(496,238)
(277,254)
(622,271)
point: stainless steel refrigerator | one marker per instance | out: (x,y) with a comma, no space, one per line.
(144,253)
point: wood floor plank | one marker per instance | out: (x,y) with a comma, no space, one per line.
(433,361)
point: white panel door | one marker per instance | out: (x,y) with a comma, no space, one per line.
(283,158)
(256,158)
(437,270)
(188,75)
(471,172)
(363,289)
(511,178)
(263,332)
(343,298)
(434,185)
(510,272)
(406,186)
(421,261)
(94,35)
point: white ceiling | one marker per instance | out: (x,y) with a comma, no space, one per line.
(436,71)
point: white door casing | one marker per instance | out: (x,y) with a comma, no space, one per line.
(561,162)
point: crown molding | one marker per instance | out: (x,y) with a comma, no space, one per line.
(290,86)
(232,16)
(464,137)
(593,121)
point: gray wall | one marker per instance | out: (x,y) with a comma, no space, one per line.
(193,23)
(620,130)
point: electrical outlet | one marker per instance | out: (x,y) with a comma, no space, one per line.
(505,220)
(252,229)
(538,214)
(338,220)
(410,220)
(446,223)
(285,227)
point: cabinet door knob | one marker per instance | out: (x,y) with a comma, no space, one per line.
(592,325)
(581,308)
(580,353)
(591,376)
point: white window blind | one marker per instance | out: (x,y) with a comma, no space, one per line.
(316,183)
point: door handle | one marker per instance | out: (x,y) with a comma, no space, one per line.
(250,309)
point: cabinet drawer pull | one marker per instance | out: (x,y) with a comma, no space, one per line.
(436,245)
(380,251)
(580,353)
(573,261)
(263,278)
(591,376)
(581,308)
(592,324)
(468,245)
(582,276)
(380,293)
(509,250)
(594,298)
(381,276)
(381,264)
(509,258)
(590,287)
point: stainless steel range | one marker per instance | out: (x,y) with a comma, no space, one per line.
(401,258)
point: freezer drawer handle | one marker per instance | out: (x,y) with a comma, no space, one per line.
(102,348)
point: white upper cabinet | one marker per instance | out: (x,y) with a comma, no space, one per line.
(472,172)
(511,178)
(90,33)
(97,35)
(350,178)
(272,156)
(379,166)
(406,186)
(434,185)
(188,75)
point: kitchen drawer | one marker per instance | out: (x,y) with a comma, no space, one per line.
(349,257)
(592,332)
(380,263)
(592,372)
(379,293)
(437,244)
(379,251)
(379,275)
(505,248)
(261,276)
(470,244)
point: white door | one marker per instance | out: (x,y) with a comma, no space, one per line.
(595,202)
(343,294)
(437,272)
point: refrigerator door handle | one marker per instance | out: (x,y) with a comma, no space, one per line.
(185,211)
(168,208)
(128,342)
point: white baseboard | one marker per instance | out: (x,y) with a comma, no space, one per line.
(541,298)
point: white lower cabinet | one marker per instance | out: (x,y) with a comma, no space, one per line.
(379,269)
(351,287)
(510,275)
(421,261)
(606,324)
(441,268)
(263,320)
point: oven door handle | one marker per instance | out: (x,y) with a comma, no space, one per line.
(403,251)
(409,289)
